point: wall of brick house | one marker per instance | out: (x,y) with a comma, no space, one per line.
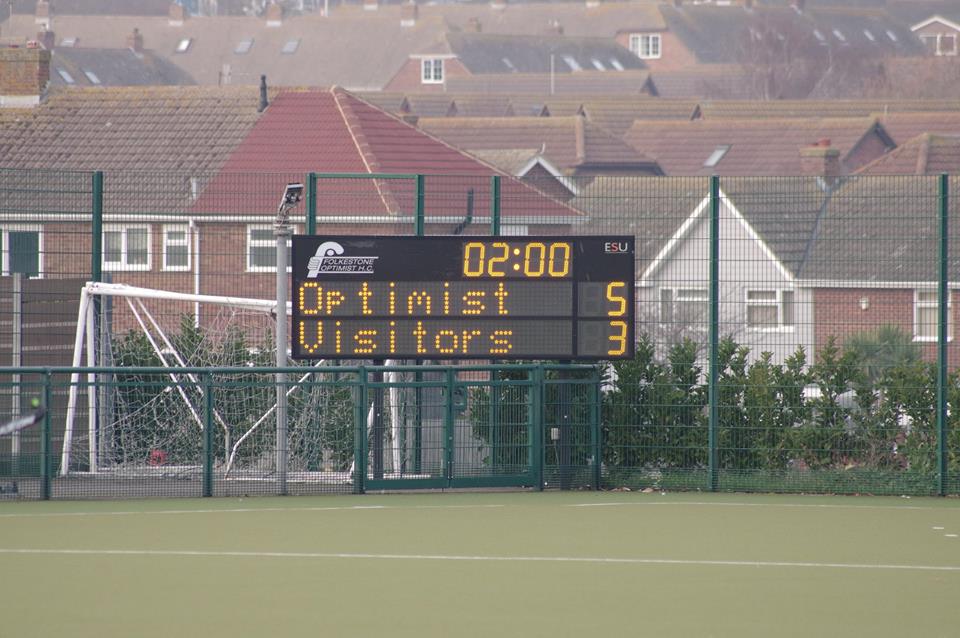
(838,313)
(869,149)
(408,78)
(674,54)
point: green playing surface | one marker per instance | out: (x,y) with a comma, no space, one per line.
(502,564)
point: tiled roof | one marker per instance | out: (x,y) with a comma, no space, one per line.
(96,7)
(113,67)
(925,154)
(484,53)
(333,131)
(562,84)
(707,81)
(713,109)
(756,147)
(916,11)
(569,143)
(906,126)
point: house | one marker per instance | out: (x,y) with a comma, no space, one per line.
(574,145)
(926,154)
(465,55)
(756,147)
(935,22)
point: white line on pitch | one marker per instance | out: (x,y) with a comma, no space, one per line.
(496,559)
(244,510)
(795,505)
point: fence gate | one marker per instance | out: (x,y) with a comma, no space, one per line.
(434,427)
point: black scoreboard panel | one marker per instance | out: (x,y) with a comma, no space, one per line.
(456,297)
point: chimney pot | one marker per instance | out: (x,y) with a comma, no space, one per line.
(135,41)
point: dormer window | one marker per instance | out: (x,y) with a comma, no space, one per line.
(645,45)
(184,45)
(431,71)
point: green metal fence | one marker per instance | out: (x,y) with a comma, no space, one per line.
(794,334)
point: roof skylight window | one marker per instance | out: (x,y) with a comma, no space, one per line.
(92,77)
(869,35)
(184,45)
(716,156)
(818,35)
(66,76)
(572,63)
(290,47)
(891,35)
(69,42)
(244,46)
(597,64)
(509,64)
(839,35)
(615,63)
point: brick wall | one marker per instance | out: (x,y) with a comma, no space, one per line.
(23,72)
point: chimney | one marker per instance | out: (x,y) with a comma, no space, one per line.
(176,15)
(24,75)
(274,15)
(263,95)
(408,13)
(135,41)
(371,5)
(43,14)
(47,39)
(473,26)
(820,159)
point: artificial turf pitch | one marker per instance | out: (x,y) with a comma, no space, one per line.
(492,565)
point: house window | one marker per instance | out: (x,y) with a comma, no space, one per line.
(925,311)
(645,45)
(126,248)
(685,306)
(176,247)
(21,250)
(770,309)
(184,45)
(262,249)
(431,71)
(941,43)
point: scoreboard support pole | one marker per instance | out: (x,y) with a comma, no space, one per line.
(564,424)
(377,428)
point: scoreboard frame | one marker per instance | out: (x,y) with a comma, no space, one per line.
(455,297)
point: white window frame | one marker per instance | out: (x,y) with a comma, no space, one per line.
(265,243)
(676,299)
(5,245)
(642,45)
(168,243)
(431,71)
(943,37)
(779,301)
(124,263)
(922,301)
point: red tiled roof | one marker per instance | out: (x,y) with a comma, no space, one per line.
(756,147)
(925,154)
(333,131)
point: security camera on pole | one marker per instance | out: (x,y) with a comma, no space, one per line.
(282,231)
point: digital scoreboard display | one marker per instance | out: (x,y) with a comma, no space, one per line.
(453,297)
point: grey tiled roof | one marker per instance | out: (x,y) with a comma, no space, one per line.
(113,67)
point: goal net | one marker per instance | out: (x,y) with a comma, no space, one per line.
(150,421)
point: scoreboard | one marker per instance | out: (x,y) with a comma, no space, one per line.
(454,297)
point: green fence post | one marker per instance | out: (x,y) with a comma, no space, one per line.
(536,422)
(495,205)
(96,238)
(448,433)
(46,465)
(207,435)
(942,361)
(712,394)
(360,434)
(311,225)
(420,221)
(595,432)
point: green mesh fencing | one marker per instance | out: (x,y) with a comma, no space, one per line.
(794,334)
